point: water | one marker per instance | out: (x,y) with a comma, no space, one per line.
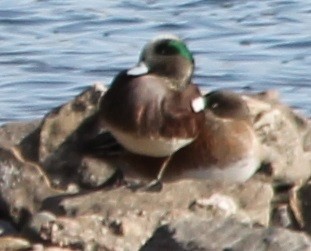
(50,50)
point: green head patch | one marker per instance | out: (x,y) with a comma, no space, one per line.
(173,47)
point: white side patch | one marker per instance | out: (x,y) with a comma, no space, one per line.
(237,172)
(138,70)
(198,104)
(156,147)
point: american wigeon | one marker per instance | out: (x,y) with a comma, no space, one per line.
(226,148)
(153,109)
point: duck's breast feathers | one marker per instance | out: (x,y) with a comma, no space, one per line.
(128,99)
(179,117)
(147,105)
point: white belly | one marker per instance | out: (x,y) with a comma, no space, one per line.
(155,147)
(236,172)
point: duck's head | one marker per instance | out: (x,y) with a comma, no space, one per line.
(227,105)
(166,56)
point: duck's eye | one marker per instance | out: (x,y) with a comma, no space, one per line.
(214,105)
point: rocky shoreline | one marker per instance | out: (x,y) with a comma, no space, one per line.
(53,197)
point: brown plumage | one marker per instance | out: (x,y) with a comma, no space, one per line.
(225,149)
(150,108)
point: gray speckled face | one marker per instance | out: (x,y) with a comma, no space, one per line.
(163,48)
(226,104)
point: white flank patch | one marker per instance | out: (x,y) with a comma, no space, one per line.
(198,104)
(138,70)
(155,147)
(237,172)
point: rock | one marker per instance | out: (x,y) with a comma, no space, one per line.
(62,122)
(239,204)
(40,247)
(13,133)
(282,216)
(25,135)
(6,228)
(80,233)
(301,205)
(94,172)
(256,207)
(120,219)
(37,222)
(61,133)
(13,243)
(285,137)
(87,214)
(22,186)
(194,233)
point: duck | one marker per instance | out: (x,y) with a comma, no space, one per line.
(226,148)
(153,109)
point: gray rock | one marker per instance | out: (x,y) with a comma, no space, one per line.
(94,172)
(216,197)
(13,243)
(37,222)
(285,137)
(193,233)
(62,132)
(40,247)
(62,122)
(300,204)
(80,233)
(6,228)
(23,185)
(13,133)
(188,214)
(282,216)
(25,135)
(120,219)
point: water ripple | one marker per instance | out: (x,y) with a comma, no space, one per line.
(51,50)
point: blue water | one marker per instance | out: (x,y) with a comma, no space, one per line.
(52,49)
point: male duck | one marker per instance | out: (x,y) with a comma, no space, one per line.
(153,109)
(226,149)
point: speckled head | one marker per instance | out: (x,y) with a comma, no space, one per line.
(227,105)
(167,56)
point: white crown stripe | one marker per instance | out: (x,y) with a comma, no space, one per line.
(138,70)
(198,104)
